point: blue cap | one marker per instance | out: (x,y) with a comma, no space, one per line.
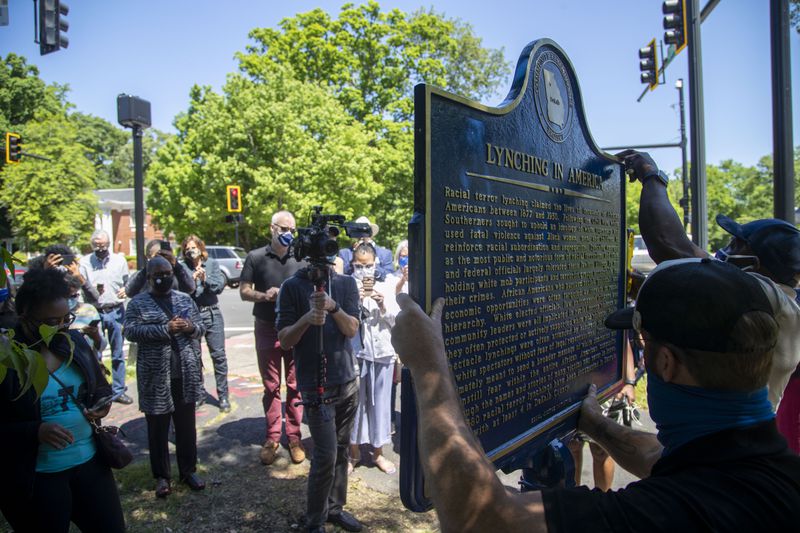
(775,242)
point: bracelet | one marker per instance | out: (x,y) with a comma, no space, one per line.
(659,175)
(335,309)
(631,382)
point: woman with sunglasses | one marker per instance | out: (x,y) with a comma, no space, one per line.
(52,474)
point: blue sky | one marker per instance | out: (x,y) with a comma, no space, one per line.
(158,50)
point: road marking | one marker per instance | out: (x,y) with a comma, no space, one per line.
(242,328)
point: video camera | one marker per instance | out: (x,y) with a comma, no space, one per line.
(317,242)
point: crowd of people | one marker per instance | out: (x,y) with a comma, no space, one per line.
(720,338)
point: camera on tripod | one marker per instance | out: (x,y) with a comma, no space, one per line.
(317,242)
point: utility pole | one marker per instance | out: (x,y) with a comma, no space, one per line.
(698,131)
(782,143)
(687,214)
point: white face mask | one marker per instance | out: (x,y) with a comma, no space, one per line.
(360,272)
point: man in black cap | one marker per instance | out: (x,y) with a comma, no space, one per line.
(769,248)
(717,462)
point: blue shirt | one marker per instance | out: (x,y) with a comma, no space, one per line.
(58,407)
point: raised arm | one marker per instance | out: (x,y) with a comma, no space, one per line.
(659,223)
(466,492)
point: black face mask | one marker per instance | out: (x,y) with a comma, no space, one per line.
(162,285)
(101,254)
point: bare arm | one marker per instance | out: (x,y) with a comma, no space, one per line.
(291,335)
(635,451)
(466,493)
(248,293)
(660,225)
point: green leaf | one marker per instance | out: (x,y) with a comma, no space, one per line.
(3,372)
(47,332)
(39,374)
(71,346)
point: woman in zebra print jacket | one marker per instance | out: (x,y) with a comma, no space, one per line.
(166,325)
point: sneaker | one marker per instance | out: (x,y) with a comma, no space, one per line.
(269,452)
(297,452)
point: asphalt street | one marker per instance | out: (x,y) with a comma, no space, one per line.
(238,314)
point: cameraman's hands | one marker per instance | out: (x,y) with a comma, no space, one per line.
(320,304)
(638,164)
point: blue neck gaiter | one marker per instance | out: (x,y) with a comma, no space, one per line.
(683,413)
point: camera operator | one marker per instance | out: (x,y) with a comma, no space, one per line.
(314,301)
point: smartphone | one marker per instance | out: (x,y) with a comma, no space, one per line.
(67,259)
(100,288)
(106,400)
(165,245)
(94,323)
(369,283)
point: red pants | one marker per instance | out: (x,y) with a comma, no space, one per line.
(788,417)
(270,356)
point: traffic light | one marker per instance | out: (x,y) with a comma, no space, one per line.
(234,194)
(675,23)
(53,26)
(648,64)
(13,147)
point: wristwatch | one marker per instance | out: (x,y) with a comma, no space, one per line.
(631,382)
(659,175)
(335,309)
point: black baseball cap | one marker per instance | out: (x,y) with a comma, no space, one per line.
(775,242)
(693,303)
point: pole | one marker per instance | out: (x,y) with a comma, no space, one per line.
(236,228)
(684,164)
(698,131)
(783,151)
(138,196)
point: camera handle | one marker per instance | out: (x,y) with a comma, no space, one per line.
(322,369)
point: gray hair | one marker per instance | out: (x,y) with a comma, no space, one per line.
(279,214)
(98,233)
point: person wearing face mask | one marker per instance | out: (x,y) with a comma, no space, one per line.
(401,269)
(383,257)
(317,304)
(87,318)
(768,249)
(166,324)
(209,283)
(265,269)
(108,272)
(376,357)
(183,280)
(52,473)
(717,461)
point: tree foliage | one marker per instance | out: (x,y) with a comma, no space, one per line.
(289,144)
(370,61)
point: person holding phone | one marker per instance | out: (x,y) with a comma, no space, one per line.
(376,358)
(87,318)
(209,283)
(52,474)
(166,324)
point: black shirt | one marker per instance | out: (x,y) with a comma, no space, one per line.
(265,269)
(736,480)
(293,303)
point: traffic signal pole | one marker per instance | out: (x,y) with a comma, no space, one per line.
(782,143)
(138,196)
(697,127)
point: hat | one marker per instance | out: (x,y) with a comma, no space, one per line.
(775,242)
(365,220)
(693,303)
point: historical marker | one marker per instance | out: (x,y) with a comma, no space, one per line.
(519,225)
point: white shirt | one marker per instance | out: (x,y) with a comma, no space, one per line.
(112,273)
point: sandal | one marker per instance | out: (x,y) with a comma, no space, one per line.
(385,465)
(163,488)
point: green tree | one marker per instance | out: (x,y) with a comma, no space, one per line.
(101,140)
(118,172)
(288,143)
(50,202)
(370,60)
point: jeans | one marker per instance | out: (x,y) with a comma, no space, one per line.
(112,324)
(183,418)
(330,425)
(270,356)
(215,339)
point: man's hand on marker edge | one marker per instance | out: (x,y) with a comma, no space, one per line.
(638,165)
(591,413)
(417,338)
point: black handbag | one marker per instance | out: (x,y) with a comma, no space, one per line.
(109,446)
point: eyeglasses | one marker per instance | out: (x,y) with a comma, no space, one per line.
(284,229)
(65,320)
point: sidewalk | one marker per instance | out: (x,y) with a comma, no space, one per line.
(236,437)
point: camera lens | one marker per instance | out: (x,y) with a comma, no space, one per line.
(331,248)
(333,231)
